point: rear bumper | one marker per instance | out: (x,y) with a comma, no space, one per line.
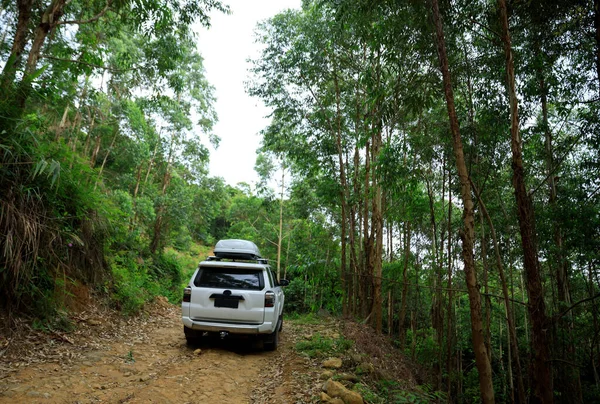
(264,328)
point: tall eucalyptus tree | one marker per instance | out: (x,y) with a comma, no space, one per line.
(481,355)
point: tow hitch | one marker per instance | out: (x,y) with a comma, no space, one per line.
(223,334)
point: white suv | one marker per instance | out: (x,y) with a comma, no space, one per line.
(234,292)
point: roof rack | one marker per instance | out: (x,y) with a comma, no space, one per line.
(258,260)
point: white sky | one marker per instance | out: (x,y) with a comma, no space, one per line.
(226,46)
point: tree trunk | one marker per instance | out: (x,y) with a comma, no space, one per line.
(377,229)
(95,151)
(367,269)
(437,316)
(151,162)
(488,303)
(467,235)
(138,179)
(449,285)
(63,123)
(112,143)
(597,36)
(280,238)
(541,372)
(390,313)
(354,222)
(514,346)
(50,20)
(88,139)
(19,43)
(569,383)
(287,257)
(343,193)
(403,304)
(377,210)
(155,245)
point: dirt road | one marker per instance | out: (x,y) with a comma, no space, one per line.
(149,362)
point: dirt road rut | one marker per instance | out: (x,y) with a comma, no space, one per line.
(151,363)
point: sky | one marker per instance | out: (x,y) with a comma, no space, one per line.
(225,47)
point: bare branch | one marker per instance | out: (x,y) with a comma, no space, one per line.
(110,69)
(93,19)
(567,362)
(560,161)
(559,316)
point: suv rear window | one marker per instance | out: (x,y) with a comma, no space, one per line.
(230,278)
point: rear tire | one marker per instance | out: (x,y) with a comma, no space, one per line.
(272,341)
(281,323)
(191,336)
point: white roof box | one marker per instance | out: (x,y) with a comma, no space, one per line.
(237,249)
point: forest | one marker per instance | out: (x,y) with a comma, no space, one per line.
(430,169)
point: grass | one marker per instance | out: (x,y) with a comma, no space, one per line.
(304,319)
(319,346)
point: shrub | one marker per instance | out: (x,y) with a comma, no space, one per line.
(167,272)
(130,283)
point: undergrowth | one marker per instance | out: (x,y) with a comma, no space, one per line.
(319,346)
(391,392)
(304,318)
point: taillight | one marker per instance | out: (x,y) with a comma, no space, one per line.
(187,294)
(269,299)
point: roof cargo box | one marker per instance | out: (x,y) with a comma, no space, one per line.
(237,249)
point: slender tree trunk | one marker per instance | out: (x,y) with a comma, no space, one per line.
(597,36)
(501,359)
(459,364)
(541,370)
(138,179)
(509,367)
(591,286)
(467,235)
(151,163)
(88,139)
(403,304)
(95,151)
(437,317)
(568,377)
(390,313)
(354,263)
(19,43)
(158,227)
(367,279)
(377,229)
(514,346)
(344,193)
(63,123)
(112,143)
(561,272)
(280,239)
(449,286)
(487,299)
(377,209)
(413,328)
(287,257)
(390,237)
